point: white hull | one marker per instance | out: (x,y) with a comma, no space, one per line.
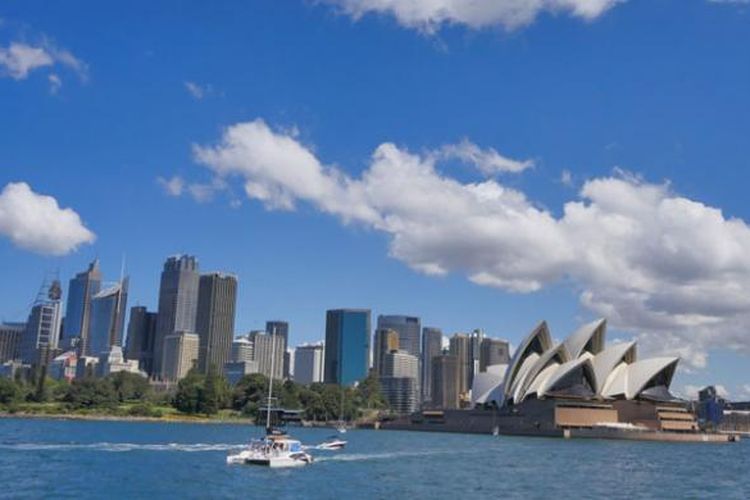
(332,445)
(251,458)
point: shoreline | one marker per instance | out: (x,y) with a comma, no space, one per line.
(125,418)
(180,419)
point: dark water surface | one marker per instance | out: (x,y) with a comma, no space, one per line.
(76,459)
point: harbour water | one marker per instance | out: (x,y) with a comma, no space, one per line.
(82,459)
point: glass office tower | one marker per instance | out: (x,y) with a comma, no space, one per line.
(347,354)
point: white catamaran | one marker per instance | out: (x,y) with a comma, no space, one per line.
(276,449)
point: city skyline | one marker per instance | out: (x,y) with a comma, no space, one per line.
(143,152)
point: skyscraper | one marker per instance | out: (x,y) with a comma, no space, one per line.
(445,374)
(401,394)
(141,337)
(180,355)
(493,352)
(308,364)
(386,340)
(267,352)
(178,301)
(81,290)
(39,340)
(10,340)
(460,347)
(408,328)
(432,346)
(242,350)
(108,309)
(347,351)
(477,336)
(282,342)
(281,328)
(217,299)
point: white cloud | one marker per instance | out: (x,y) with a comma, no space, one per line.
(566,178)
(430,15)
(669,269)
(488,161)
(54,83)
(198,91)
(19,59)
(174,186)
(36,222)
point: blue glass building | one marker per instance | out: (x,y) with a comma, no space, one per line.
(81,290)
(347,354)
(108,318)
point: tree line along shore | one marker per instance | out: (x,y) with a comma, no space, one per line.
(197,397)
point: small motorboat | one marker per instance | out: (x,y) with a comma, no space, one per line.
(333,443)
(275,450)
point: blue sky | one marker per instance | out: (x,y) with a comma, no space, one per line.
(640,102)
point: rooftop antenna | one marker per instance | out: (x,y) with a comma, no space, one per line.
(122,268)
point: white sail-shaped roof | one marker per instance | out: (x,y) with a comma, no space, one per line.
(487,387)
(553,357)
(644,374)
(583,364)
(541,380)
(536,343)
(522,375)
(630,380)
(551,383)
(589,337)
(606,361)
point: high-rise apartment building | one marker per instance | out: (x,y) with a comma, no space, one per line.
(347,346)
(217,299)
(81,291)
(460,347)
(308,364)
(39,340)
(242,350)
(108,309)
(477,336)
(445,374)
(399,381)
(400,364)
(386,340)
(268,354)
(409,329)
(178,301)
(10,340)
(281,329)
(141,338)
(432,346)
(493,352)
(180,355)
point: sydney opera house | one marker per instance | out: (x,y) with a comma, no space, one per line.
(580,387)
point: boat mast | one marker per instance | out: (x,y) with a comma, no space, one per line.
(270,380)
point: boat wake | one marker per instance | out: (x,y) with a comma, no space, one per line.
(119,447)
(358,457)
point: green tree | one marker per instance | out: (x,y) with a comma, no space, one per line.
(91,393)
(10,392)
(130,386)
(250,389)
(187,399)
(369,395)
(40,393)
(214,394)
(290,395)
